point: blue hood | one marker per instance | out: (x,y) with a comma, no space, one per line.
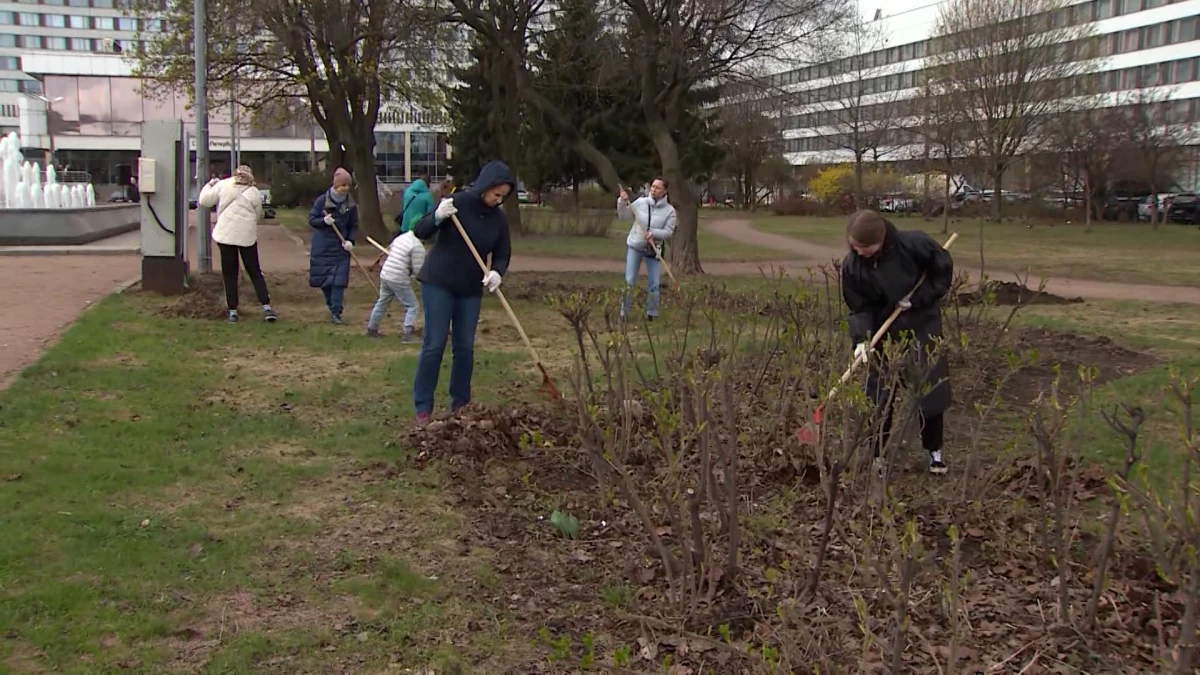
(418,186)
(492,174)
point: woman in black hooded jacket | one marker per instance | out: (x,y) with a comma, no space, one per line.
(452,284)
(882,267)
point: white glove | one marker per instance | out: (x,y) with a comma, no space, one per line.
(492,281)
(444,210)
(860,350)
(347,246)
(214,181)
(329,219)
(904,305)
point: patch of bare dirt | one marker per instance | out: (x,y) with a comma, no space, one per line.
(1009,293)
(288,369)
(1050,352)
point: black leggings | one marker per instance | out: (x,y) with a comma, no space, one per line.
(932,431)
(229,273)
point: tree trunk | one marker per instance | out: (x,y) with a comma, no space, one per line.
(510,144)
(1153,205)
(370,214)
(575,189)
(997,199)
(1087,202)
(858,180)
(685,250)
(751,192)
(946,205)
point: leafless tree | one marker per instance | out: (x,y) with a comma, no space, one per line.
(675,47)
(346,58)
(750,136)
(859,108)
(1007,65)
(1081,145)
(1154,132)
(943,135)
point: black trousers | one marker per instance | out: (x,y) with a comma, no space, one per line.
(932,431)
(229,273)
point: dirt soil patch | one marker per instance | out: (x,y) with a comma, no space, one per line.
(1068,352)
(514,468)
(1009,293)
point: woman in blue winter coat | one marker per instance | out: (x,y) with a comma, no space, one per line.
(452,284)
(329,254)
(653,223)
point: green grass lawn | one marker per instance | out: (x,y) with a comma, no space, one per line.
(1127,252)
(188,495)
(713,248)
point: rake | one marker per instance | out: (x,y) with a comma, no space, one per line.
(809,433)
(547,384)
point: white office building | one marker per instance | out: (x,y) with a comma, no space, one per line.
(67,87)
(1146,44)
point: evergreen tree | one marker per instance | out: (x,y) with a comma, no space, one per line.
(472,133)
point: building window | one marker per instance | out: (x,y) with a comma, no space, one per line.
(30,19)
(105,4)
(8,40)
(31,41)
(54,3)
(79,22)
(7,18)
(153,25)
(8,85)
(30,86)
(102,22)
(81,44)
(127,24)
(80,3)
(10,63)
(1152,36)
(56,43)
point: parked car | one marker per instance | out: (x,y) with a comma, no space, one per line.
(1143,208)
(268,209)
(1184,208)
(1122,206)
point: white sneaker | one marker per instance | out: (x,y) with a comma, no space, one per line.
(936,465)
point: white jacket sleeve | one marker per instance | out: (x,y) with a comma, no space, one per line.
(663,233)
(417,259)
(624,211)
(210,195)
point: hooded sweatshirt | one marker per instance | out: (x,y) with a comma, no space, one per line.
(417,202)
(450,263)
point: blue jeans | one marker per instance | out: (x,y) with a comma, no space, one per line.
(453,316)
(633,265)
(394,290)
(333,298)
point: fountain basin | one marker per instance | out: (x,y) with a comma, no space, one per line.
(67,227)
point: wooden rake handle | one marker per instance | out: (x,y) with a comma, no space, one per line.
(499,294)
(355,259)
(882,329)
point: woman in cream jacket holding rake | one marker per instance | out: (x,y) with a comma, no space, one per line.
(653,223)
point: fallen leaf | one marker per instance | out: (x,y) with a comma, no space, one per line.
(145,523)
(975,533)
(13,476)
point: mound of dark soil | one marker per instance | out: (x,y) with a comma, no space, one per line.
(205,299)
(476,434)
(1008,293)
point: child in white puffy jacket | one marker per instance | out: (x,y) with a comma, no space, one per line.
(405,257)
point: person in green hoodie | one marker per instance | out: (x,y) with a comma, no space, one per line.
(418,203)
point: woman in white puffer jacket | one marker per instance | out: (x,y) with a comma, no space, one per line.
(239,208)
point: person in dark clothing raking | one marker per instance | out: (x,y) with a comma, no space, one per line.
(881,268)
(452,284)
(329,254)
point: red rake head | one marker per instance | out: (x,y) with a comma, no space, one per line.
(807,434)
(548,387)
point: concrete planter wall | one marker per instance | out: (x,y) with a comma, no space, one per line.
(65,227)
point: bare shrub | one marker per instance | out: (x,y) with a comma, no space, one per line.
(547,223)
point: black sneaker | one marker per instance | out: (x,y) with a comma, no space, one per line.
(336,319)
(270,316)
(650,318)
(373,333)
(936,466)
(232,318)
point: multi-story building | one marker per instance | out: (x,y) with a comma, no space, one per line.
(67,86)
(1144,44)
